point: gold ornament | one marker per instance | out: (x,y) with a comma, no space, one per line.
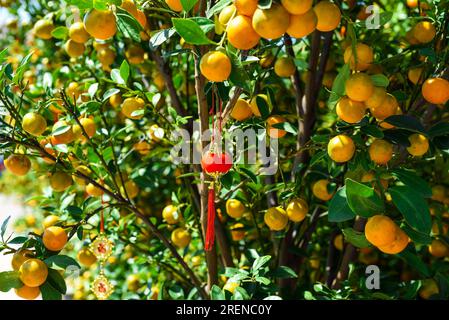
(101,287)
(102,247)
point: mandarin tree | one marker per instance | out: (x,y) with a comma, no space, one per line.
(349,100)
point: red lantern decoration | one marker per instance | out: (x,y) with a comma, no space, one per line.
(216,164)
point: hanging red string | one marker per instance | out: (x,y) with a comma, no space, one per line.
(102,213)
(210,229)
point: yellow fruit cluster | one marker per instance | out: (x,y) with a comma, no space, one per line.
(383,233)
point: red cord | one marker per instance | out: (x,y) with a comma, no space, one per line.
(210,229)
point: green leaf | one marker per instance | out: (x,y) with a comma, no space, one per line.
(4,225)
(216,293)
(338,87)
(284,272)
(128,25)
(61,261)
(124,71)
(287,126)
(263,106)
(240,294)
(18,240)
(22,67)
(416,236)
(440,129)
(339,209)
(56,281)
(220,5)
(356,238)
(49,292)
(9,280)
(406,122)
(414,261)
(60,130)
(188,4)
(413,181)
(413,207)
(363,200)
(161,36)
(380,80)
(176,292)
(372,130)
(260,263)
(265,4)
(110,93)
(263,280)
(239,76)
(116,77)
(60,33)
(191,31)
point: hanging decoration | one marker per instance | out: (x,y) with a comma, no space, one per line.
(215,163)
(102,249)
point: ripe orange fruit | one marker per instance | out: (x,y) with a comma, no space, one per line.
(94,191)
(215,66)
(302,25)
(438,249)
(73,91)
(135,54)
(418,145)
(175,5)
(362,59)
(89,127)
(171,215)
(142,19)
(271,23)
(115,100)
(50,221)
(380,230)
(132,105)
(106,56)
(438,193)
(359,87)
(78,33)
(28,293)
(341,148)
(276,218)
(319,190)
(412,3)
(100,24)
(429,288)
(339,242)
(246,7)
(377,98)
(350,111)
(129,6)
(399,243)
(231,286)
(226,14)
(33,272)
(132,189)
(20,257)
(237,232)
(65,136)
(241,110)
(54,238)
(43,28)
(255,107)
(328,15)
(60,181)
(235,208)
(74,49)
(414,74)
(297,210)
(380,152)
(34,124)
(388,107)
(18,164)
(181,237)
(424,31)
(297,7)
(86,257)
(436,90)
(284,67)
(241,34)
(273,132)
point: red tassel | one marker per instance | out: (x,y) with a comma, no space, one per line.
(210,230)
